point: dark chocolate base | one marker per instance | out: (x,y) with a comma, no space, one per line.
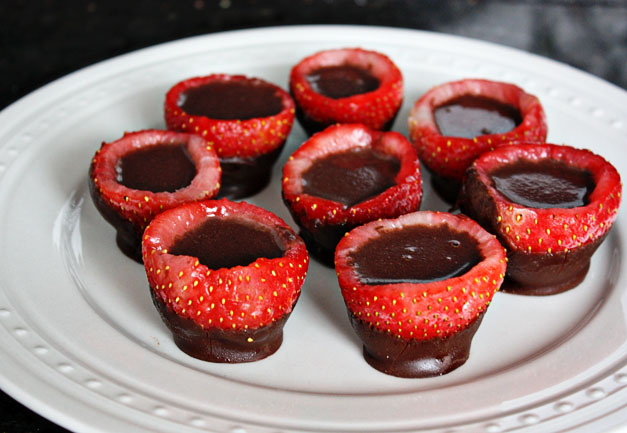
(244,177)
(217,345)
(312,126)
(128,237)
(548,274)
(512,286)
(130,243)
(414,358)
(321,243)
(446,188)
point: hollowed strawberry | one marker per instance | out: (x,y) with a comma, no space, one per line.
(247,120)
(349,85)
(551,206)
(346,176)
(489,114)
(224,277)
(416,288)
(140,175)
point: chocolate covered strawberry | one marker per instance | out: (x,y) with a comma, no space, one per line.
(416,288)
(551,206)
(246,119)
(455,122)
(140,175)
(346,176)
(348,85)
(224,277)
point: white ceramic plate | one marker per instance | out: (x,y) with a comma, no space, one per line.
(81,343)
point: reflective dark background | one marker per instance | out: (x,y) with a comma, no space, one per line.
(44,40)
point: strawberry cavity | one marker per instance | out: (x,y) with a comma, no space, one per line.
(374,83)
(129,202)
(324,220)
(447,157)
(238,300)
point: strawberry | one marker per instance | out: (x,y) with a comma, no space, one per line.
(129,208)
(323,221)
(415,321)
(247,120)
(226,306)
(375,103)
(549,245)
(447,157)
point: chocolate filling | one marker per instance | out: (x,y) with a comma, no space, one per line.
(351,177)
(228,242)
(342,81)
(158,168)
(415,254)
(231,100)
(470,116)
(543,184)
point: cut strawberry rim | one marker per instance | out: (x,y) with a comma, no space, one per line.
(323,221)
(424,316)
(240,301)
(247,147)
(447,157)
(375,108)
(549,249)
(130,210)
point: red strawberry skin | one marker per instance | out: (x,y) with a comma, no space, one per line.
(130,210)
(449,157)
(232,138)
(376,109)
(238,298)
(422,311)
(326,221)
(549,250)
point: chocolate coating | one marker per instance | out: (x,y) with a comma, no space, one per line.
(322,241)
(127,237)
(231,100)
(527,273)
(217,345)
(159,168)
(415,254)
(470,116)
(243,177)
(311,125)
(414,358)
(341,81)
(543,184)
(228,242)
(351,177)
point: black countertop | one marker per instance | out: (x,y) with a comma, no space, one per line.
(46,39)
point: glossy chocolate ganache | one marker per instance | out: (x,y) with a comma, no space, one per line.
(342,81)
(159,168)
(470,116)
(415,254)
(543,184)
(226,243)
(231,100)
(351,177)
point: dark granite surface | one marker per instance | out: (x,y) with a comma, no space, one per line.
(44,40)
